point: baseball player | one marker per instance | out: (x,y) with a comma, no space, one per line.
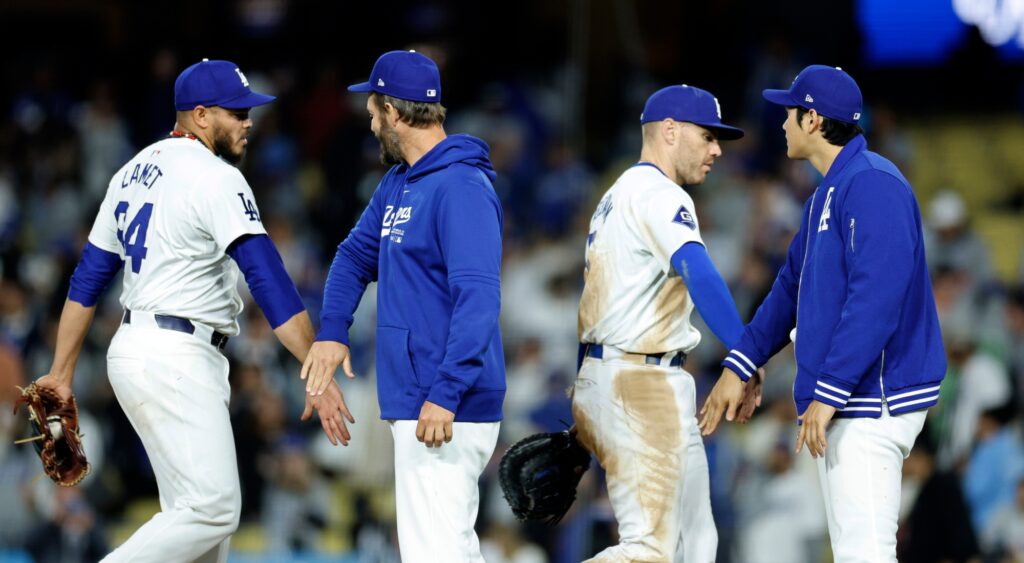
(855,297)
(178,217)
(646,268)
(431,237)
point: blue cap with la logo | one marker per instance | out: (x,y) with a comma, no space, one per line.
(827,90)
(687,103)
(215,83)
(406,75)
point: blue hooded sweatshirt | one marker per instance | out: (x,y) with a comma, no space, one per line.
(431,237)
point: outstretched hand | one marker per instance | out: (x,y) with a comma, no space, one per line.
(332,410)
(730,397)
(752,395)
(322,361)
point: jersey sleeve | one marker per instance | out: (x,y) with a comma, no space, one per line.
(226,208)
(104,228)
(667,221)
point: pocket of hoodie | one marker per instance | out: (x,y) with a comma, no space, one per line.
(394,360)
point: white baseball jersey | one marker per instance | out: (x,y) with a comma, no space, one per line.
(633,299)
(171,213)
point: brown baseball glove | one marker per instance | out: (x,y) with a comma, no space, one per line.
(57,440)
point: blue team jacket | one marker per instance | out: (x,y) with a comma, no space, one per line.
(856,288)
(431,237)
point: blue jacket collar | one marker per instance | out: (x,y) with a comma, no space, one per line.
(852,149)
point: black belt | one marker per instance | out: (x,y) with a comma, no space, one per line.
(170,322)
(597,351)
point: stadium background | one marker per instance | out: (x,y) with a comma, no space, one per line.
(555,88)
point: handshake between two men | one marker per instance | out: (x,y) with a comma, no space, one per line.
(737,400)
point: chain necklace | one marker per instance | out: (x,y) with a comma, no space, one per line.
(186,135)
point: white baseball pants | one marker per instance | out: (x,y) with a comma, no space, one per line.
(174,389)
(640,421)
(860,476)
(437,494)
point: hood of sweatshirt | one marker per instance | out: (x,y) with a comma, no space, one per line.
(454,149)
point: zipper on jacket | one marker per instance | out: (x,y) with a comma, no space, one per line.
(803,264)
(853,226)
(881,378)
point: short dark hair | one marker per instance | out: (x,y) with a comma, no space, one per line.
(835,132)
(416,114)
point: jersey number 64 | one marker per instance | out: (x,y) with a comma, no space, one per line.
(133,238)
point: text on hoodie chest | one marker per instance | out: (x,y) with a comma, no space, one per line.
(398,214)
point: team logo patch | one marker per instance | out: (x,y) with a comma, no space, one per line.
(249,208)
(393,218)
(684,217)
(826,212)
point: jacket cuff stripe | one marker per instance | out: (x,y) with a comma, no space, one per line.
(832,399)
(743,372)
(835,389)
(750,365)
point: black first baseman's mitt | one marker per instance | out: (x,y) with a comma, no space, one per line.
(57,441)
(539,475)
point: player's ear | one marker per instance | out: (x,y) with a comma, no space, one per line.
(201,116)
(391,114)
(669,130)
(813,121)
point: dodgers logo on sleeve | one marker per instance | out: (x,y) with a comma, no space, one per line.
(249,208)
(683,217)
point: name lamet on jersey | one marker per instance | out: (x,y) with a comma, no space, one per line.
(145,174)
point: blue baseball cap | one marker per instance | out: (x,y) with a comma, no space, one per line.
(687,103)
(406,75)
(825,89)
(215,83)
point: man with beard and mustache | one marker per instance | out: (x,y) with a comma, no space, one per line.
(175,216)
(431,238)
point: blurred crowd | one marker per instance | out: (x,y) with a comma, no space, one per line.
(313,165)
